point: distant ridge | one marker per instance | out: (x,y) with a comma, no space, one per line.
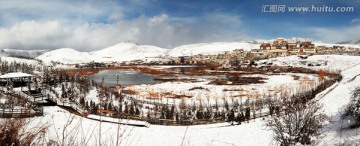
(127,51)
(124,51)
(354,42)
(21,53)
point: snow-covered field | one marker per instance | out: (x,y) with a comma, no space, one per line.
(334,103)
(273,85)
(325,62)
(215,134)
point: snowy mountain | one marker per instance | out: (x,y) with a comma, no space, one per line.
(210,48)
(21,53)
(355,42)
(126,51)
(66,56)
(118,52)
(331,45)
(130,51)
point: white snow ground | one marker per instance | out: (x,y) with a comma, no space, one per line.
(216,134)
(253,133)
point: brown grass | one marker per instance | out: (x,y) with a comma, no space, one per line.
(155,95)
(73,72)
(16,132)
(131,92)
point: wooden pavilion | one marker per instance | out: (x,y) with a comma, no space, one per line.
(15,79)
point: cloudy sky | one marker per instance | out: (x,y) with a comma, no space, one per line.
(95,24)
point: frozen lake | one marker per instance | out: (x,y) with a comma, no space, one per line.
(125,77)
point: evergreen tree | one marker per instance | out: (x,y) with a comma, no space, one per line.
(247,113)
(87,104)
(137,111)
(132,109)
(61,78)
(232,116)
(82,101)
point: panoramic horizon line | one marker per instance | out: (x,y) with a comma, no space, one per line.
(199,43)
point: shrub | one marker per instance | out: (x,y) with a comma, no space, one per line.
(298,123)
(15,132)
(353,109)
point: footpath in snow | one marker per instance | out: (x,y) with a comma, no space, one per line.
(119,121)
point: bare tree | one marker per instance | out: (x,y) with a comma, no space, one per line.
(68,133)
(298,123)
(16,132)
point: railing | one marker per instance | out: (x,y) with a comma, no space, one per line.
(10,113)
(74,105)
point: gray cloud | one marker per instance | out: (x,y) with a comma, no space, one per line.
(336,34)
(92,25)
(159,30)
(65,11)
(355,20)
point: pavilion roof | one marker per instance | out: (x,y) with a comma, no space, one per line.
(15,75)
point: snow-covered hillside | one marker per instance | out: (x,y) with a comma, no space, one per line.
(20,60)
(66,56)
(128,51)
(118,52)
(21,53)
(131,51)
(325,62)
(356,42)
(211,48)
